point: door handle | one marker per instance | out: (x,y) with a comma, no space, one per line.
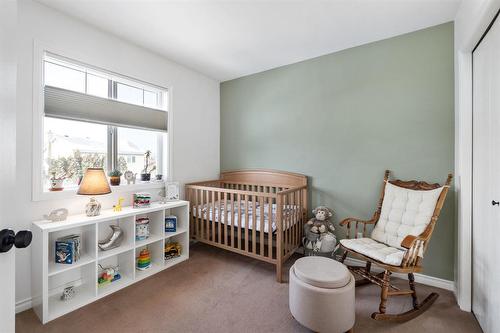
(20,240)
(493,202)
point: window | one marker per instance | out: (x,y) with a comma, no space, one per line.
(74,142)
(60,76)
(132,145)
(70,147)
(62,73)
(97,86)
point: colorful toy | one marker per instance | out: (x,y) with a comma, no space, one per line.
(142,200)
(118,207)
(109,274)
(172,250)
(142,228)
(170,223)
(144,260)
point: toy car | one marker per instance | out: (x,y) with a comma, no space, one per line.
(172,250)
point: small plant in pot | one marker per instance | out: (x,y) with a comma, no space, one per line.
(114,177)
(148,167)
(56,182)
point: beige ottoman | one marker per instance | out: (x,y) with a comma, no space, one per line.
(322,294)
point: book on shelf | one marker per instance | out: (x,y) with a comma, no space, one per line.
(68,249)
(170,223)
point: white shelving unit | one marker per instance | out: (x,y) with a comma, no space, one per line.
(49,278)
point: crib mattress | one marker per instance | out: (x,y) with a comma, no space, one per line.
(206,212)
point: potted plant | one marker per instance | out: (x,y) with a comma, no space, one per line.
(56,182)
(114,177)
(148,167)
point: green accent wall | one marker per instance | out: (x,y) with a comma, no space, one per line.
(345,117)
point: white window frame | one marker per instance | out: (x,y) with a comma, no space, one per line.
(38,191)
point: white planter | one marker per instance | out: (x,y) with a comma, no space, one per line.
(56,184)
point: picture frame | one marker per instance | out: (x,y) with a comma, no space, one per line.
(172,191)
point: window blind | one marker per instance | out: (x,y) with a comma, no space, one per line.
(67,104)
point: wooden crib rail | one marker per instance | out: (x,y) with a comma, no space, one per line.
(228,190)
(254,187)
(211,183)
(265,177)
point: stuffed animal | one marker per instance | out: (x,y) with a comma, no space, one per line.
(319,230)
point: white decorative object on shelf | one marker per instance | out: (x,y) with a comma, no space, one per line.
(162,195)
(57,215)
(113,240)
(68,293)
(172,189)
(83,274)
(130,177)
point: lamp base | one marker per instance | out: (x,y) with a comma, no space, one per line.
(93,207)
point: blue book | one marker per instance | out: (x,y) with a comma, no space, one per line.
(67,249)
(64,252)
(170,223)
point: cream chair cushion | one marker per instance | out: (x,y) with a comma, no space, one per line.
(404,212)
(375,250)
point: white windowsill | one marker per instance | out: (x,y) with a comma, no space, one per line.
(71,192)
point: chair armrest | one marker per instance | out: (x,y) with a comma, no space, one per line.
(353,219)
(414,246)
(408,241)
(347,222)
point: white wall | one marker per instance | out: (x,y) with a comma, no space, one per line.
(195,107)
(8,12)
(472,19)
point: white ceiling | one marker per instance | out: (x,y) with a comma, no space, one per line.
(230,39)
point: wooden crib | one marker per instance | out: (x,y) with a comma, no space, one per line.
(256,213)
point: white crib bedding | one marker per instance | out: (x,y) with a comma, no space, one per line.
(239,214)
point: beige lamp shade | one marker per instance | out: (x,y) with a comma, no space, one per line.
(94,182)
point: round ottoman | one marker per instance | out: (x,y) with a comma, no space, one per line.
(321,294)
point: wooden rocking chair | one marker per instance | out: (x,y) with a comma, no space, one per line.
(402,227)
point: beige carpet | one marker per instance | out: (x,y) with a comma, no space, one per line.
(218,291)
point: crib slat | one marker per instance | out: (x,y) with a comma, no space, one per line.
(219,235)
(225,218)
(254,224)
(240,219)
(291,223)
(232,220)
(246,222)
(295,220)
(301,217)
(213,216)
(191,214)
(207,220)
(270,228)
(288,217)
(202,222)
(195,229)
(262,226)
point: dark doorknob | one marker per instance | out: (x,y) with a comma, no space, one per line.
(8,239)
(493,202)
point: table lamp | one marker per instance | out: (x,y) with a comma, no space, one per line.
(94,182)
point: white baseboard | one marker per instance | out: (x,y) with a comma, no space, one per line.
(419,278)
(23,305)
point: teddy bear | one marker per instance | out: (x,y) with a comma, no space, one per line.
(319,230)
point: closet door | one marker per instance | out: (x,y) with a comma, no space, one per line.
(486,181)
